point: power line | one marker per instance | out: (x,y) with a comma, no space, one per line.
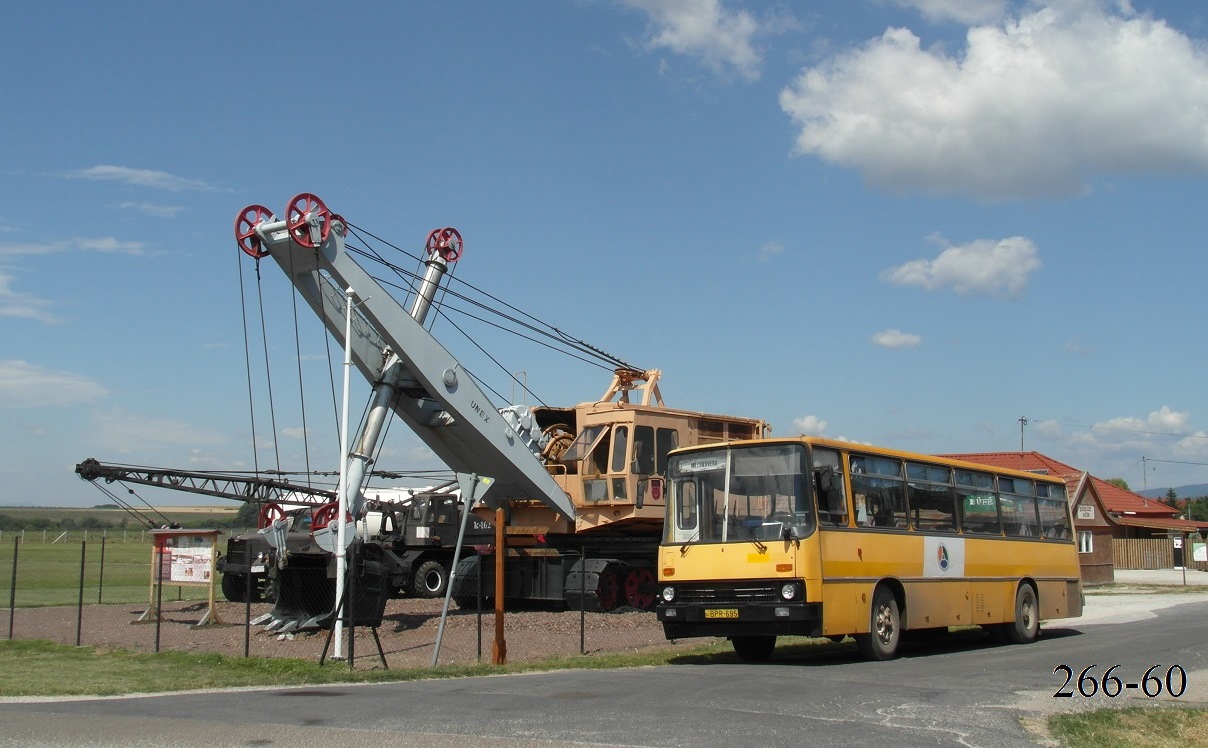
(1130,431)
(1177,462)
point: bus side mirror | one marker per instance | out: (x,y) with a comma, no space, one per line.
(826,481)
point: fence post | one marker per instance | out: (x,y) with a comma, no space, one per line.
(159,591)
(477,598)
(100,581)
(12,590)
(583,599)
(247,599)
(80,604)
(350,608)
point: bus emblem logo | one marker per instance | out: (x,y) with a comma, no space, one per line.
(942,556)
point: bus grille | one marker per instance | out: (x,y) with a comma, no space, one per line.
(722,593)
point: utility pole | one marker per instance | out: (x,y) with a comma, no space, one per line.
(1144,474)
(1023,421)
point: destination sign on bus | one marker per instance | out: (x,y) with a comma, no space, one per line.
(983,504)
(702,465)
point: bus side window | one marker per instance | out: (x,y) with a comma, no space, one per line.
(931,501)
(977,502)
(883,489)
(829,487)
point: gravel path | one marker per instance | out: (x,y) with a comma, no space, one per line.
(408,632)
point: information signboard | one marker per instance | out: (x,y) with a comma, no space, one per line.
(183,558)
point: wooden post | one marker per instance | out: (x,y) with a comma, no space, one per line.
(499,651)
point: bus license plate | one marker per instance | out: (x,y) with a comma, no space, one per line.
(721,613)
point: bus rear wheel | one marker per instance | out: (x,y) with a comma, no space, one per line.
(753,648)
(885,627)
(1026,627)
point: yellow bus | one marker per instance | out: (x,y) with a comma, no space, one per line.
(816,537)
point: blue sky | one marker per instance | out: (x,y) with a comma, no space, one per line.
(904,222)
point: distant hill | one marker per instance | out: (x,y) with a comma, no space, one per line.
(1184,492)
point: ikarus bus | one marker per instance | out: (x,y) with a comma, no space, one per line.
(815,537)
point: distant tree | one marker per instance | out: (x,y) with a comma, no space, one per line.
(1119,483)
(1171,495)
(1197,509)
(247,516)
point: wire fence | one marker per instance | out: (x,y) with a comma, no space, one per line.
(67,537)
(89,592)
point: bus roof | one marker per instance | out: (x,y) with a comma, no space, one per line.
(821,441)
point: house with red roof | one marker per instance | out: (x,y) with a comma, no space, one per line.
(1103,513)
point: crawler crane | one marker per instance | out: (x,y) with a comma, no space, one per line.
(581,486)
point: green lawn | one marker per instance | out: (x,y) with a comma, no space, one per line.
(49,574)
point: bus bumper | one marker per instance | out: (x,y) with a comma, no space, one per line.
(684,621)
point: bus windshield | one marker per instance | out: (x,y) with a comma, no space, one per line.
(738,495)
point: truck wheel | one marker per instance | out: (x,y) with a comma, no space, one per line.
(431,579)
(234,587)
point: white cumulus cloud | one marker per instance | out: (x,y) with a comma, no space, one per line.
(769,251)
(961,11)
(985,266)
(104,244)
(151,209)
(21,305)
(160,180)
(126,432)
(1032,106)
(896,339)
(811,425)
(722,39)
(26,385)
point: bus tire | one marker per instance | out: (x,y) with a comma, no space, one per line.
(885,627)
(753,648)
(1026,626)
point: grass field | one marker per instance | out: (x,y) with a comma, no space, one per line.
(189,516)
(49,573)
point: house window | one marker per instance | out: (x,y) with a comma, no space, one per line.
(1086,541)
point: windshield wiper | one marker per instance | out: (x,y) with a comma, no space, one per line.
(690,542)
(751,536)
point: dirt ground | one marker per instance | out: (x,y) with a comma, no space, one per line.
(408,632)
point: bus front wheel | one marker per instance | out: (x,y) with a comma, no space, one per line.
(885,627)
(753,648)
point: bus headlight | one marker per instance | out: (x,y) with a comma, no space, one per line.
(668,594)
(788,591)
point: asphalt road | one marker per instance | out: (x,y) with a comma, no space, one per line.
(960,691)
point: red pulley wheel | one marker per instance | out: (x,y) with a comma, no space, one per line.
(245,229)
(295,219)
(270,513)
(327,514)
(446,241)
